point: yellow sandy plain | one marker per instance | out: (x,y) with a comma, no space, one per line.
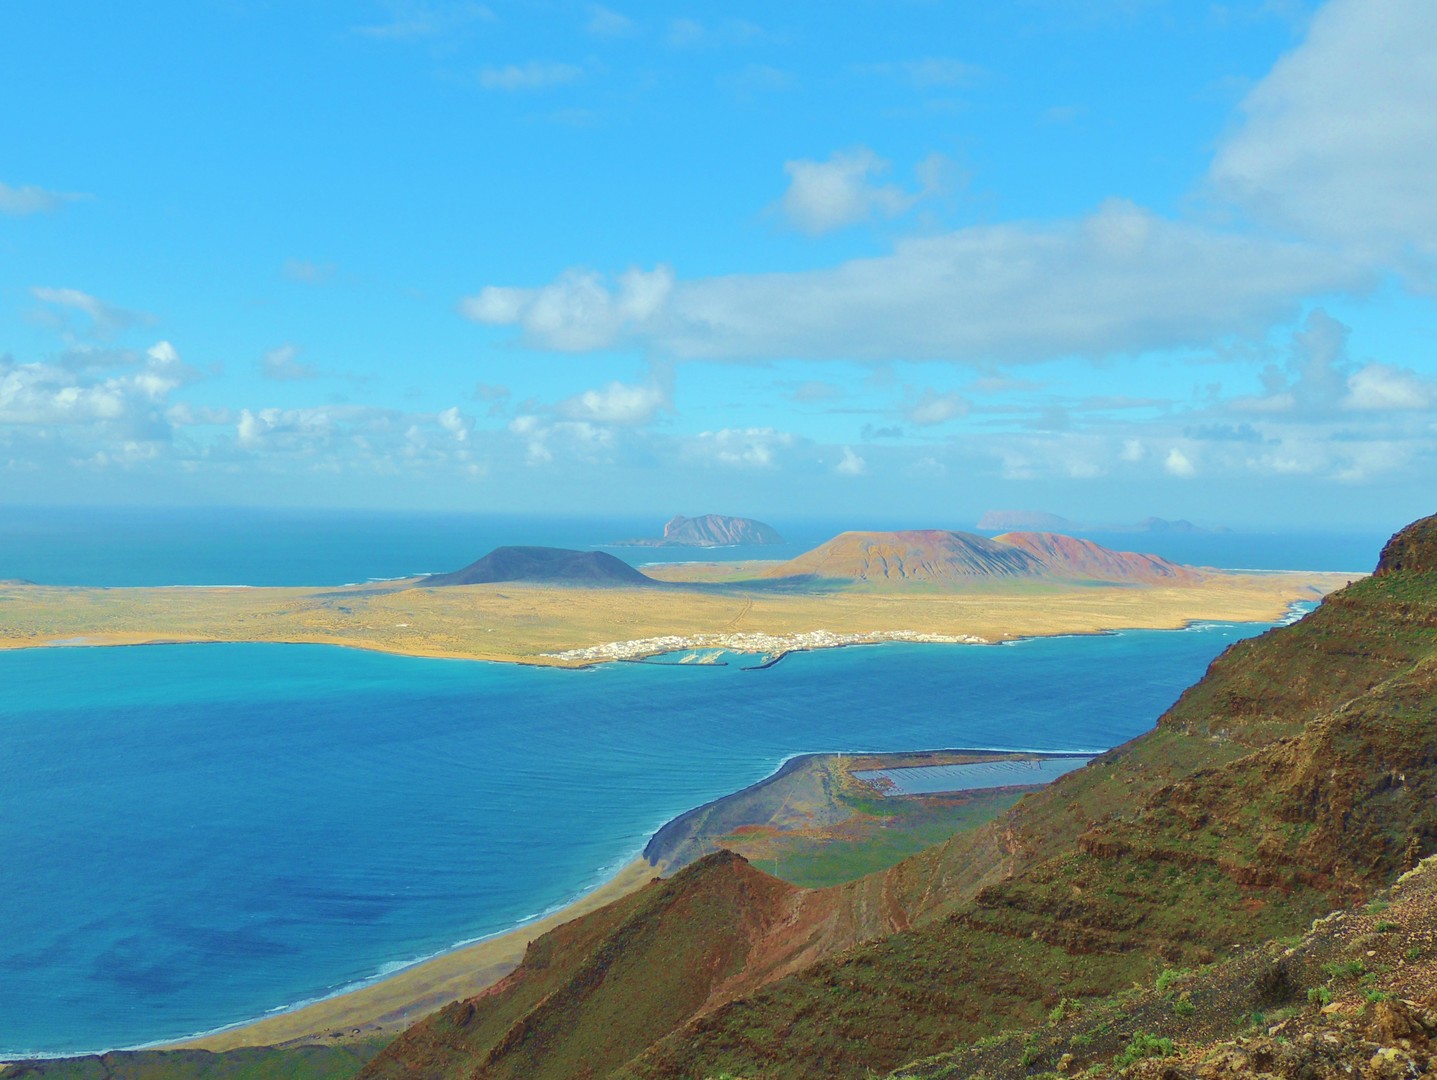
(522,623)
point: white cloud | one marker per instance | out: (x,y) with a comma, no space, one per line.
(934,408)
(457,423)
(105,320)
(1379,387)
(281,366)
(124,400)
(22,201)
(850,464)
(313,429)
(751,448)
(1178,463)
(827,195)
(1133,450)
(574,439)
(534,75)
(579,311)
(1118,281)
(616,403)
(1339,139)
(1318,379)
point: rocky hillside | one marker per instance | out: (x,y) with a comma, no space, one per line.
(710,530)
(1299,776)
(935,558)
(1068,557)
(545,565)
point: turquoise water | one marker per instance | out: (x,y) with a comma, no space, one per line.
(194,835)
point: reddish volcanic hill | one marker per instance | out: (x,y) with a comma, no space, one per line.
(926,556)
(1067,556)
(933,557)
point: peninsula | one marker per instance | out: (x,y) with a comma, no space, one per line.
(562,608)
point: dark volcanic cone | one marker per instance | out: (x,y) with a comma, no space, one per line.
(551,566)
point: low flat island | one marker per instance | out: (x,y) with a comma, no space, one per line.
(575,626)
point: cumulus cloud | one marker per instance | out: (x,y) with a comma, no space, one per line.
(123,400)
(312,429)
(1318,380)
(579,311)
(456,422)
(1179,464)
(545,439)
(616,403)
(932,407)
(844,190)
(1339,140)
(23,201)
(534,75)
(1380,387)
(750,448)
(1120,280)
(850,464)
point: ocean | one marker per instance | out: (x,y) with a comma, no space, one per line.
(197,835)
(245,546)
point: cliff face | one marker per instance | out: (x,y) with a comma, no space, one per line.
(593,994)
(1413,550)
(1298,776)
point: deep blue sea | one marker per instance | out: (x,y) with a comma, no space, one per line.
(195,835)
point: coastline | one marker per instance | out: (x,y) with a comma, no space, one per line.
(578,628)
(390,1003)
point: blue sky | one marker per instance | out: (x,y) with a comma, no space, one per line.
(905,261)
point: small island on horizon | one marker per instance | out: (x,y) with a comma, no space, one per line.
(707,531)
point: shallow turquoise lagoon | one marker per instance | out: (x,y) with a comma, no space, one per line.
(195,835)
